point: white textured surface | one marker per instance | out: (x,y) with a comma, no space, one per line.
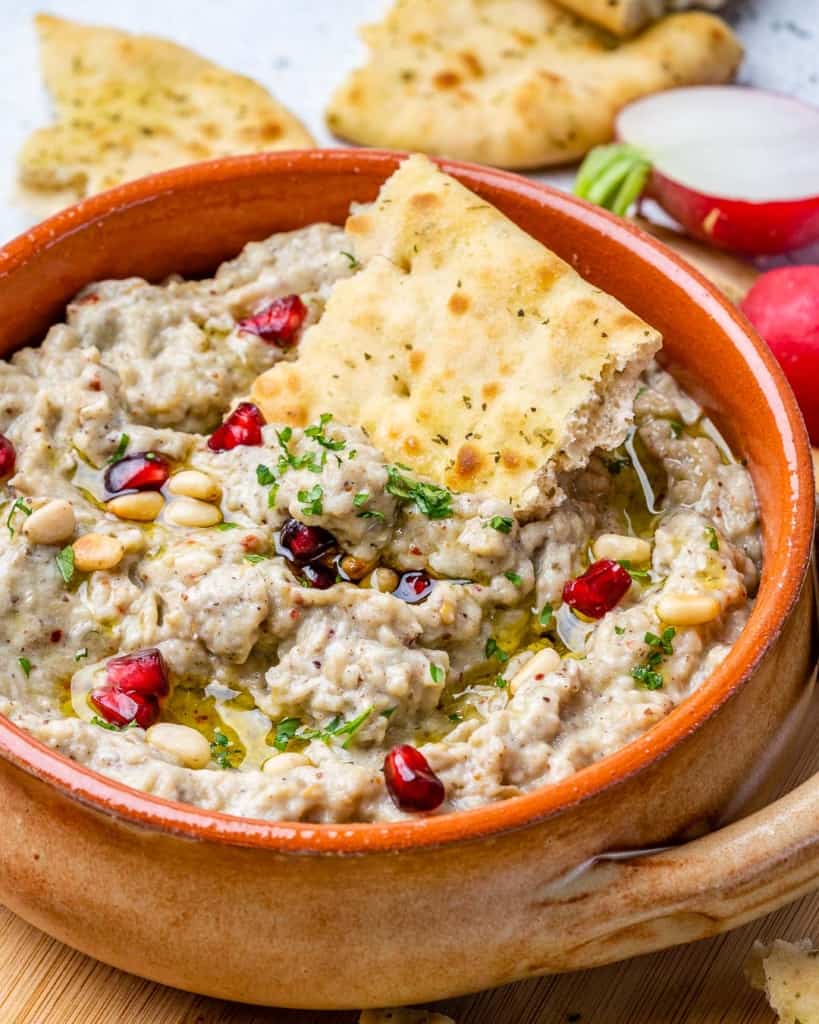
(301,49)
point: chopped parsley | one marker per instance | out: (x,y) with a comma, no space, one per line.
(546,615)
(81,653)
(713,538)
(354,264)
(25,665)
(335,728)
(433,501)
(220,750)
(437,673)
(513,578)
(285,731)
(65,563)
(264,476)
(389,712)
(314,461)
(616,465)
(226,526)
(660,647)
(316,432)
(500,682)
(642,575)
(121,449)
(18,505)
(619,630)
(255,559)
(676,428)
(110,726)
(312,501)
(503,524)
(361,499)
(370,513)
(492,650)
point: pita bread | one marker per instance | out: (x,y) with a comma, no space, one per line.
(514,83)
(130,105)
(623,17)
(789,975)
(466,349)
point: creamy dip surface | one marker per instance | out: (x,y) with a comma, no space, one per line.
(296,659)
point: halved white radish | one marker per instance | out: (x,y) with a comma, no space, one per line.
(737,167)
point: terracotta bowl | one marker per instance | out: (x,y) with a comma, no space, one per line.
(327,916)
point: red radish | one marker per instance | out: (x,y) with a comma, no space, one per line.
(242,427)
(121,709)
(141,672)
(411,783)
(143,472)
(783,305)
(277,323)
(598,590)
(8,457)
(737,167)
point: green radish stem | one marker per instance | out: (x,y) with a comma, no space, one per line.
(612,177)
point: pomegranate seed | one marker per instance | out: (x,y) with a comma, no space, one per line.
(146,471)
(277,323)
(598,590)
(413,587)
(8,457)
(318,576)
(142,672)
(304,543)
(412,784)
(120,708)
(242,427)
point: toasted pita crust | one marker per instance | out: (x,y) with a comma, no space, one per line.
(464,347)
(789,975)
(129,105)
(514,83)
(624,17)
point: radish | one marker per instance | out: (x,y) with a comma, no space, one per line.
(783,305)
(734,166)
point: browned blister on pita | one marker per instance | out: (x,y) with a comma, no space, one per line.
(130,105)
(467,350)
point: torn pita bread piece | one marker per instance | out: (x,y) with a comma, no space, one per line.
(624,17)
(130,105)
(788,973)
(514,83)
(398,1015)
(466,349)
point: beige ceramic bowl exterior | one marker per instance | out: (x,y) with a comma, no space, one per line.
(363,915)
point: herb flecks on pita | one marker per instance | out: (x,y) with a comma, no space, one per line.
(130,105)
(467,350)
(514,83)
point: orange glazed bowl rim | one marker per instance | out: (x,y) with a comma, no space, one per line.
(783,576)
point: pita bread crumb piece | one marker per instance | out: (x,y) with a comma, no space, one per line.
(514,83)
(398,1015)
(466,349)
(789,975)
(624,17)
(130,105)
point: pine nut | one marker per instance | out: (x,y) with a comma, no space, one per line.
(192,512)
(185,745)
(446,613)
(355,568)
(546,660)
(281,763)
(620,548)
(385,580)
(54,523)
(94,552)
(193,483)
(688,609)
(142,506)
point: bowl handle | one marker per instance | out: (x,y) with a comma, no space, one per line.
(622,905)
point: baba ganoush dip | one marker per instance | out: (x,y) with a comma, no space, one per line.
(280,623)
